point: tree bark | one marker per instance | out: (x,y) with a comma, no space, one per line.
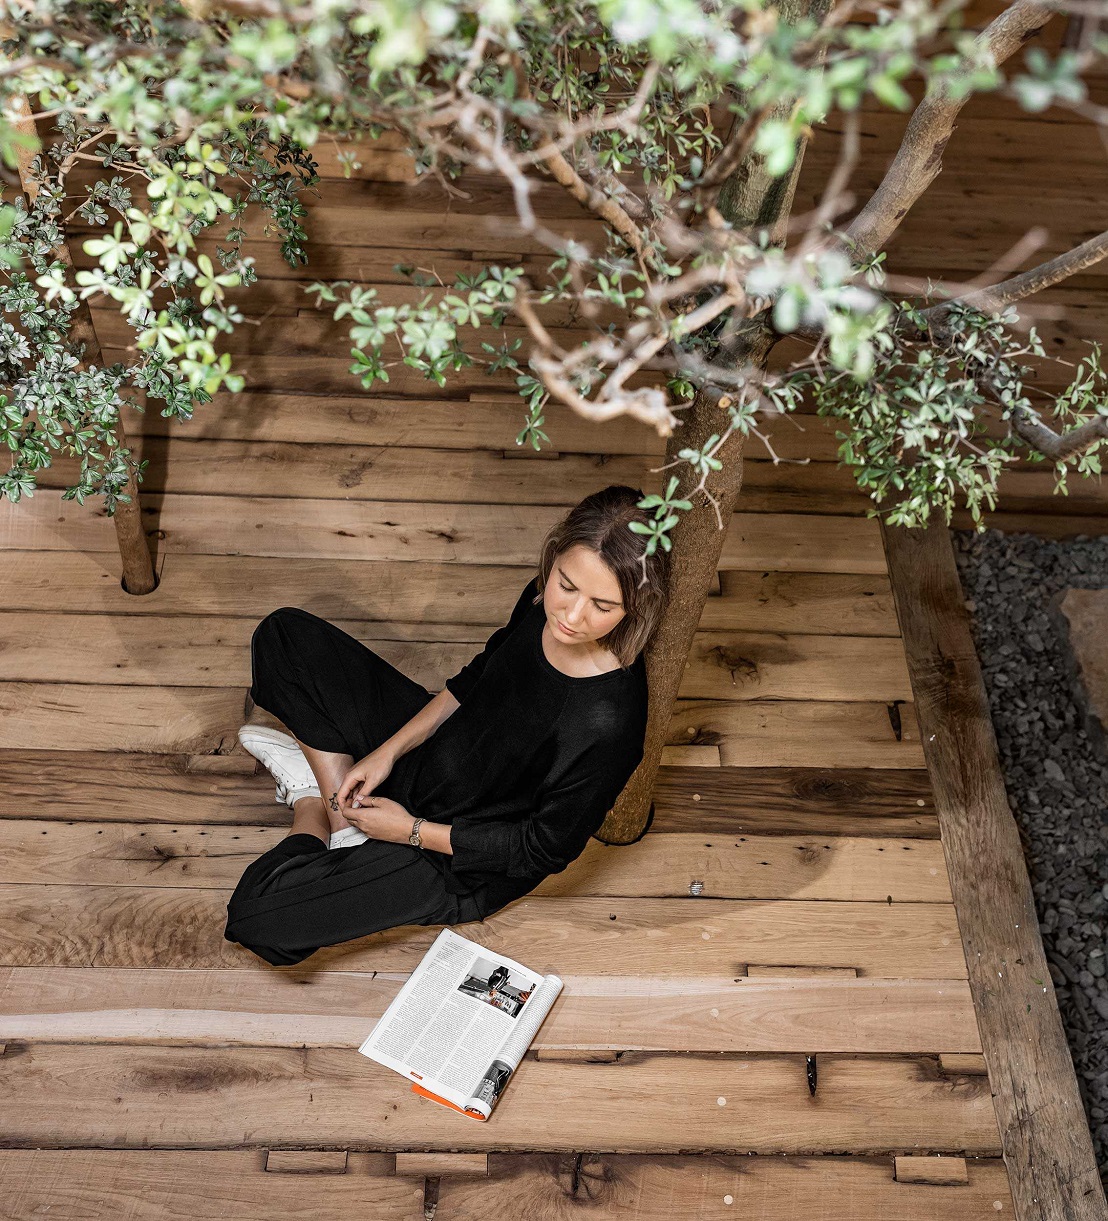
(749,199)
(134,551)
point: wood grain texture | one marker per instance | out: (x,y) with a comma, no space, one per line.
(771,1009)
(1046,1142)
(403,601)
(205,720)
(438,532)
(77,1096)
(155,1185)
(720,1188)
(135,926)
(152,651)
(232,790)
(665,864)
(198,1184)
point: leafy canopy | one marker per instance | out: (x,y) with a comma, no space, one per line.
(200,118)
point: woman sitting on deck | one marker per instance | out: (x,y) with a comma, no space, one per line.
(461,802)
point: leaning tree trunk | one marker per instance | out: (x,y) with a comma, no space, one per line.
(750,198)
(138,565)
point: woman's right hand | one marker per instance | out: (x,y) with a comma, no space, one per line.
(364,777)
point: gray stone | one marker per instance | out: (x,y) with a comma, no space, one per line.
(1055,774)
(1086,614)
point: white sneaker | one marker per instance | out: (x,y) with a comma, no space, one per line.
(348,837)
(283,759)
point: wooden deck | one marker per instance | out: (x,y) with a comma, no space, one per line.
(154,1070)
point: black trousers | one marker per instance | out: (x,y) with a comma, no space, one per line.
(333,694)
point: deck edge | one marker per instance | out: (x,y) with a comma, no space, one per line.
(1047,1146)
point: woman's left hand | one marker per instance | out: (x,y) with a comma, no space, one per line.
(380,818)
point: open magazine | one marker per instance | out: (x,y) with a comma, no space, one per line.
(461,1024)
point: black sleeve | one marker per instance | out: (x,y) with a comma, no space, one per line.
(462,683)
(558,830)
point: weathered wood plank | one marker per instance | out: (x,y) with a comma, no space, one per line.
(203,651)
(847,801)
(200,1184)
(226,790)
(801,734)
(205,720)
(1046,525)
(300,1007)
(1047,1145)
(444,533)
(956,1064)
(437,1165)
(43,852)
(135,926)
(79,1096)
(351,473)
(402,602)
(306,1161)
(719,1188)
(942,1171)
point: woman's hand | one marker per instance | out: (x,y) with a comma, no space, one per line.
(362,779)
(382,818)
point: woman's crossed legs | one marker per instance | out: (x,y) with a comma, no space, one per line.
(300,895)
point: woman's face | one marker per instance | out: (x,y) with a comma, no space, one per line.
(582,599)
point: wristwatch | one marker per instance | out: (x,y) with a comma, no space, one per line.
(414,839)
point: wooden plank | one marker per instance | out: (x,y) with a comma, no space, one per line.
(306,1161)
(958,1064)
(437,1165)
(942,1171)
(203,720)
(690,756)
(791,733)
(757,972)
(837,801)
(43,852)
(153,789)
(200,1184)
(403,602)
(769,1009)
(203,651)
(1047,1145)
(409,473)
(1045,525)
(75,1095)
(135,926)
(351,473)
(719,1188)
(444,533)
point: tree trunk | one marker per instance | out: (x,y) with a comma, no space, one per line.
(138,564)
(697,544)
(749,199)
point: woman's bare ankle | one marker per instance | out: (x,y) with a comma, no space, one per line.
(334,813)
(309,817)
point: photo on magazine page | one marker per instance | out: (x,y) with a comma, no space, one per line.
(497,985)
(492,1083)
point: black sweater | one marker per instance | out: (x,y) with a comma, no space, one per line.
(527,767)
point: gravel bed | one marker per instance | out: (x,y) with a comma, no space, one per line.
(1056,777)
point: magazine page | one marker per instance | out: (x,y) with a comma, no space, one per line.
(452,1017)
(527,1023)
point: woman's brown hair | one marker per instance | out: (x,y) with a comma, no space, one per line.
(601,522)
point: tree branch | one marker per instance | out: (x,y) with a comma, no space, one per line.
(995,297)
(1058,446)
(919,158)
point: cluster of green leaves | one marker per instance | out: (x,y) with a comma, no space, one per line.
(150,212)
(195,111)
(424,333)
(916,430)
